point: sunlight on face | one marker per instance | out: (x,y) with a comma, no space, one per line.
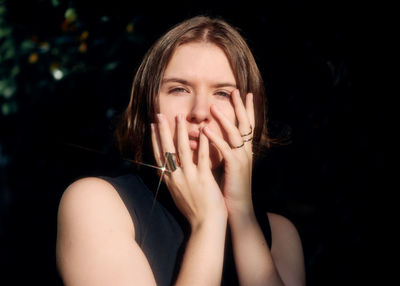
(197,76)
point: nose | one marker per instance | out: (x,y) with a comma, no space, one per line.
(200,109)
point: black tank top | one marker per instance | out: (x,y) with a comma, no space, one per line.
(162,231)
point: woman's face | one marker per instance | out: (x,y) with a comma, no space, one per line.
(198,76)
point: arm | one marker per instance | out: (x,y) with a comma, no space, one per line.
(95,238)
(203,258)
(255,263)
(258,265)
(96,245)
(199,198)
(287,251)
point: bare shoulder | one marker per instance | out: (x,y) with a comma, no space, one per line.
(95,199)
(89,192)
(281,225)
(88,188)
(95,238)
(287,251)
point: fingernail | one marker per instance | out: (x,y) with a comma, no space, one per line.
(250,96)
(152,126)
(160,117)
(205,128)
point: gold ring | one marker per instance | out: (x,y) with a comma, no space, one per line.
(247,134)
(239,146)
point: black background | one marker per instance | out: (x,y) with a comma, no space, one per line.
(312,57)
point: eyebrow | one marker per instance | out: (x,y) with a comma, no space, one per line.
(186,82)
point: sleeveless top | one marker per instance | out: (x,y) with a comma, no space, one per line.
(162,231)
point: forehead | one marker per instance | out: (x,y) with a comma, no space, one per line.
(200,61)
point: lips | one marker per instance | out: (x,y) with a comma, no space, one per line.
(194,135)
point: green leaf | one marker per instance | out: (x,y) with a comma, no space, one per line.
(8,92)
(5,32)
(5,108)
(71,15)
(27,46)
(14,71)
(55,2)
(10,53)
(3,84)
(8,108)
(110,66)
(7,88)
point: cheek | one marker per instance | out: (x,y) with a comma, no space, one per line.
(170,116)
(169,109)
(229,112)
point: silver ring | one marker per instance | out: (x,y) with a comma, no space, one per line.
(172,161)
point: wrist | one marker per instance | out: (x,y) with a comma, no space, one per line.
(210,223)
(243,208)
(242,215)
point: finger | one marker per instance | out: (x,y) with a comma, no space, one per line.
(219,142)
(167,144)
(184,153)
(248,136)
(234,137)
(155,140)
(241,113)
(204,152)
(244,125)
(158,154)
(250,109)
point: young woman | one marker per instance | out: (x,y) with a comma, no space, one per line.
(198,100)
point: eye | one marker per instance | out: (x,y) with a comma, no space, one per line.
(178,90)
(223,94)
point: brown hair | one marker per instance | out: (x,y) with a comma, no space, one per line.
(133,129)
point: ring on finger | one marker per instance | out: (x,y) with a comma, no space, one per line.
(249,133)
(239,146)
(248,139)
(171,161)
